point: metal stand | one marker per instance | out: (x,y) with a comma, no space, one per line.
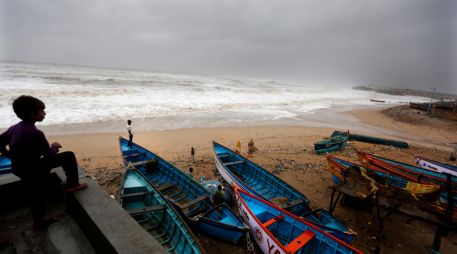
(441,226)
(333,203)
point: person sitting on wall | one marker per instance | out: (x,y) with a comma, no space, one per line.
(32,158)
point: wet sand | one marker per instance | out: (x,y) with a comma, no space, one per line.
(289,147)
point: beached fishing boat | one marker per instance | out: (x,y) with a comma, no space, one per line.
(420,106)
(426,106)
(436,166)
(236,169)
(190,198)
(158,217)
(341,168)
(5,165)
(277,231)
(370,139)
(406,170)
(331,144)
(447,182)
(374,100)
(390,190)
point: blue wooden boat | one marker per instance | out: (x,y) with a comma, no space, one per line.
(407,171)
(447,182)
(340,169)
(158,217)
(277,231)
(5,165)
(331,144)
(236,169)
(190,198)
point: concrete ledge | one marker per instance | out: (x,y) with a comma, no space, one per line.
(12,193)
(107,226)
(66,237)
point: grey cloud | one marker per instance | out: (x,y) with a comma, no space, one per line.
(409,44)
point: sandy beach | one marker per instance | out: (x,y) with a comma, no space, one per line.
(291,149)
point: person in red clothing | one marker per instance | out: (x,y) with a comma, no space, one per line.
(32,158)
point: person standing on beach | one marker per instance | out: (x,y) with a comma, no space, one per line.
(129,130)
(192,154)
(238,147)
(32,158)
(251,148)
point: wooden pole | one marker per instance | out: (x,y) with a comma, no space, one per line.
(432,111)
(437,240)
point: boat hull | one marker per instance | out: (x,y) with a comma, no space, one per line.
(341,168)
(408,171)
(210,225)
(266,223)
(5,165)
(336,147)
(188,197)
(331,144)
(415,174)
(150,209)
(297,202)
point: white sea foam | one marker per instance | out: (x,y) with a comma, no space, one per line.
(85,95)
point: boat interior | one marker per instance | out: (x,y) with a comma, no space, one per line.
(152,213)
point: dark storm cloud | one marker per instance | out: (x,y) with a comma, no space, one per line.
(409,44)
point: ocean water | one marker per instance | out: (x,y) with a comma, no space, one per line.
(81,95)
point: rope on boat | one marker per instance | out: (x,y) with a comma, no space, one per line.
(249,244)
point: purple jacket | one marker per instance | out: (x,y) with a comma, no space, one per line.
(27,145)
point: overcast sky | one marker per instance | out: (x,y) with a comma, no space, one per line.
(397,43)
